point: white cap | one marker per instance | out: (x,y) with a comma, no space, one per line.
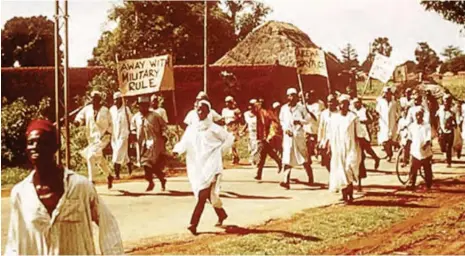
(344,97)
(291,91)
(253,101)
(276,104)
(117,95)
(94,93)
(229,98)
(204,102)
(201,95)
(143,99)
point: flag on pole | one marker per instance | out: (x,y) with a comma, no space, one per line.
(148,75)
(311,61)
(382,68)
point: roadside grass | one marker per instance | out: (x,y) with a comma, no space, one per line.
(456,86)
(312,230)
(374,90)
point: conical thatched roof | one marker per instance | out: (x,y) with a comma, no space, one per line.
(273,42)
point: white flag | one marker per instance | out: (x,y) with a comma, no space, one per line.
(311,61)
(382,68)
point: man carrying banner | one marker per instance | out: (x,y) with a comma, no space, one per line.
(293,116)
(204,144)
(387,110)
(149,127)
(97,121)
(121,117)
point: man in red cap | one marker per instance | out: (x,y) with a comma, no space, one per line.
(52,209)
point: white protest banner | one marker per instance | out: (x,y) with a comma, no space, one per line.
(382,68)
(148,75)
(311,61)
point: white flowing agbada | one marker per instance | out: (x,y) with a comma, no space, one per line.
(120,135)
(69,230)
(294,148)
(345,150)
(192,116)
(387,119)
(324,127)
(204,144)
(95,126)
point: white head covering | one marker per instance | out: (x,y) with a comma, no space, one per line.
(204,102)
(291,91)
(228,99)
(153,97)
(253,101)
(276,104)
(344,97)
(201,95)
(94,93)
(143,99)
(117,95)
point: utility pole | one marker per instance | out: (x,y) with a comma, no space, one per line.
(205,48)
(61,75)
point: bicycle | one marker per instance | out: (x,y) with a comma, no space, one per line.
(403,167)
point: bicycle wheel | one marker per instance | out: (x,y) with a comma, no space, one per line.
(402,168)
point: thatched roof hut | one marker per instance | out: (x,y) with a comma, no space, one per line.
(275,43)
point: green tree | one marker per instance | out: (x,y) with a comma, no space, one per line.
(349,57)
(245,21)
(451,10)
(451,52)
(30,41)
(427,59)
(454,65)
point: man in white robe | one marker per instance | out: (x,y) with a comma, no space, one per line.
(293,116)
(387,109)
(97,121)
(232,116)
(324,131)
(121,117)
(204,144)
(192,116)
(345,131)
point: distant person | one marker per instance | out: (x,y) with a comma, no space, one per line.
(314,108)
(251,128)
(121,117)
(149,128)
(232,117)
(447,125)
(53,208)
(324,131)
(406,101)
(98,127)
(386,107)
(155,106)
(204,144)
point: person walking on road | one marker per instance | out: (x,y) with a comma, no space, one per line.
(155,106)
(232,117)
(419,140)
(293,116)
(121,117)
(204,144)
(53,208)
(447,125)
(149,127)
(324,131)
(387,109)
(98,126)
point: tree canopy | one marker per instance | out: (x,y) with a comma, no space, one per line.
(451,10)
(349,57)
(451,52)
(151,28)
(30,41)
(427,59)
(380,45)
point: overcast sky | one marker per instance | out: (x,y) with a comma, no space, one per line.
(329,23)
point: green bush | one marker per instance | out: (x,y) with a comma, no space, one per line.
(15,119)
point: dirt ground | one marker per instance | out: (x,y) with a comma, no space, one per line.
(435,224)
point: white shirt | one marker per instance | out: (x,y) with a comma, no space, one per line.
(192,117)
(69,230)
(444,116)
(315,108)
(362,117)
(229,115)
(251,121)
(412,111)
(419,135)
(405,103)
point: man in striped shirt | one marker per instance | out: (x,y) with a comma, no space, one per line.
(52,210)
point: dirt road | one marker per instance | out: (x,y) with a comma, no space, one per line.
(148,218)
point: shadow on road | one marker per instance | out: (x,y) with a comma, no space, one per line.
(389,203)
(240,196)
(136,194)
(233,229)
